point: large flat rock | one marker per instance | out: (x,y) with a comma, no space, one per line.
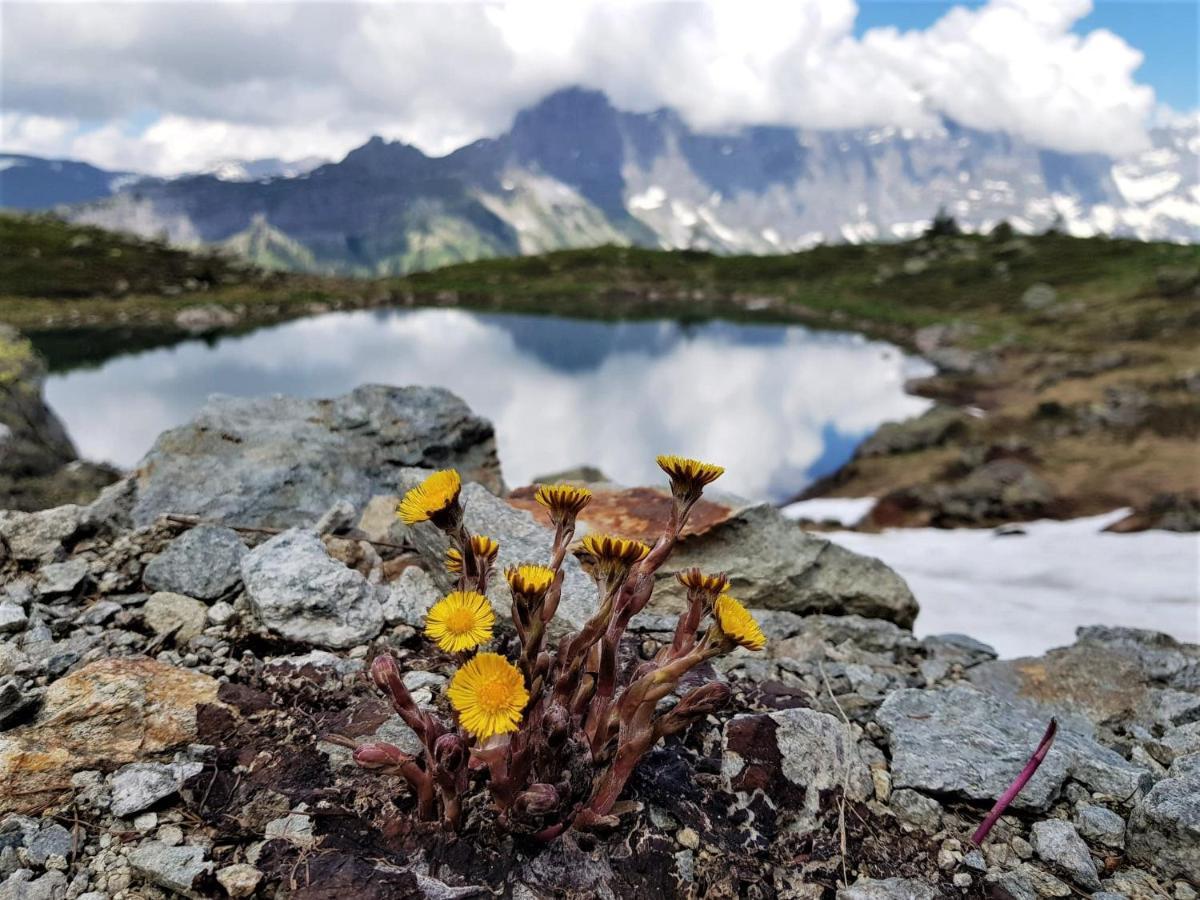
(772,562)
(283,461)
(958,740)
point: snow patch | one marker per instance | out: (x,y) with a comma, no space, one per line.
(1026,593)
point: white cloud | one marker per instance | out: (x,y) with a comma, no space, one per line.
(290,79)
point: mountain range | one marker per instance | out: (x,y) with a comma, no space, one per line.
(575,171)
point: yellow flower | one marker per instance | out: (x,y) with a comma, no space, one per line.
(482,546)
(489,695)
(609,558)
(433,498)
(695,580)
(737,624)
(688,476)
(460,621)
(531,582)
(564,501)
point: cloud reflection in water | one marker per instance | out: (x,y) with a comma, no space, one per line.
(771,403)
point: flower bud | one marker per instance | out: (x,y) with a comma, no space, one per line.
(539,800)
(450,752)
(704,700)
(385,672)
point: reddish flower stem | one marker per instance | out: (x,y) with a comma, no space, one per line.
(1015,788)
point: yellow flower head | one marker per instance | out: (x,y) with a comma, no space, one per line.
(695,580)
(609,558)
(688,476)
(434,499)
(531,582)
(564,501)
(460,621)
(737,624)
(484,548)
(489,695)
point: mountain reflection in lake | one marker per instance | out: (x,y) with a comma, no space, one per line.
(777,405)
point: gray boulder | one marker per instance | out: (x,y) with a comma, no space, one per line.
(204,562)
(284,461)
(296,590)
(774,564)
(1164,830)
(957,740)
(1056,842)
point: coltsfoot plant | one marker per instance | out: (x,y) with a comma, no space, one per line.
(558,730)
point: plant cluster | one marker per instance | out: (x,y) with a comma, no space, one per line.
(558,731)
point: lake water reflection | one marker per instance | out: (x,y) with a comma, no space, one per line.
(777,405)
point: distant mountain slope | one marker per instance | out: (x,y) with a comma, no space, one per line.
(33,183)
(574,171)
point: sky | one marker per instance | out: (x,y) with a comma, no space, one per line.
(169,87)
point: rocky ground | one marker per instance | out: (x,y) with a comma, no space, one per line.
(175,656)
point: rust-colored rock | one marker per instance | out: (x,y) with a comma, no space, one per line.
(111,712)
(640,513)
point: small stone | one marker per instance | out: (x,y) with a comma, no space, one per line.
(14,701)
(295,828)
(240,880)
(917,809)
(220,612)
(1096,823)
(98,613)
(688,837)
(1014,883)
(51,840)
(962,879)
(204,562)
(171,835)
(21,885)
(296,590)
(409,598)
(12,618)
(165,612)
(973,859)
(145,822)
(1058,843)
(57,579)
(174,868)
(1046,885)
(139,785)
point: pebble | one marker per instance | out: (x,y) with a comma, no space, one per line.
(688,838)
(1058,843)
(240,880)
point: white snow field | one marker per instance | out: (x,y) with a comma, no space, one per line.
(1026,593)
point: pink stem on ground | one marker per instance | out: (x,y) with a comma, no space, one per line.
(1015,788)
